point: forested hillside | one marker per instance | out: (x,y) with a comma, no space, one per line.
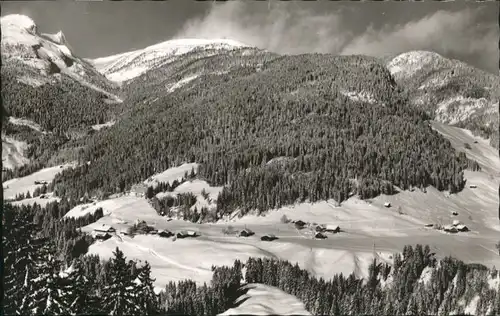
(56,107)
(341,123)
(46,272)
(451,91)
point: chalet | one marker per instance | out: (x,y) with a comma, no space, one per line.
(105,229)
(473,186)
(153,232)
(319,228)
(450,229)
(387,204)
(246,233)
(330,228)
(462,228)
(268,237)
(454,213)
(102,236)
(320,236)
(299,224)
(185,234)
(429,225)
(40,182)
(456,222)
(139,190)
(43,196)
(165,233)
(475,142)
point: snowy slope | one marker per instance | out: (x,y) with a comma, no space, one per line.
(13,153)
(267,300)
(126,66)
(26,122)
(27,184)
(456,93)
(45,56)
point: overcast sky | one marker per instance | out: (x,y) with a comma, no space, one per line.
(467,31)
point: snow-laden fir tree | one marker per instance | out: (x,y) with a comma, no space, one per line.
(49,295)
(118,295)
(147,299)
(81,293)
(20,249)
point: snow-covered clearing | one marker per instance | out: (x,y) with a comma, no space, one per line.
(196,187)
(181,82)
(26,122)
(49,198)
(34,82)
(361,96)
(98,127)
(172,174)
(13,153)
(262,299)
(27,184)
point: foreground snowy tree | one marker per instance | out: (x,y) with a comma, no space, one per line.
(118,295)
(20,247)
(147,299)
(49,295)
(81,295)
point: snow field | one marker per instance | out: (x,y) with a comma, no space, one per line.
(22,185)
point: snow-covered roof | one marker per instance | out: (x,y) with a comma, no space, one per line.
(331,226)
(104,228)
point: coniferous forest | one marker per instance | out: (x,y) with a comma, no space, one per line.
(292,108)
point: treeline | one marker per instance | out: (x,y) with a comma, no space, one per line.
(49,222)
(388,290)
(294,107)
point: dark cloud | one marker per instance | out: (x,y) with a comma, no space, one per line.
(282,28)
(285,28)
(451,34)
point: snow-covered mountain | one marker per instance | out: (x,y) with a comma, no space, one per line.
(126,66)
(39,58)
(456,93)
